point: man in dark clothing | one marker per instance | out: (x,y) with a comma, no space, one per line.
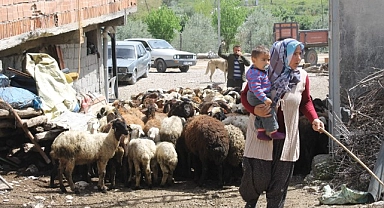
(236,66)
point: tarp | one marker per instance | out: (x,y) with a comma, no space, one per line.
(20,98)
(58,96)
(344,196)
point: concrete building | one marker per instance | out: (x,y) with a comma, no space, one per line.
(74,32)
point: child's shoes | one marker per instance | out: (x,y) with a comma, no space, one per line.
(277,135)
(262,135)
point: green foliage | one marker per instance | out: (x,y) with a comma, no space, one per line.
(204,7)
(284,14)
(144,7)
(163,23)
(304,23)
(256,30)
(232,15)
(320,22)
(194,38)
(189,16)
(304,12)
(137,28)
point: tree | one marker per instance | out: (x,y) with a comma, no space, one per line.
(232,15)
(162,23)
(133,28)
(198,36)
(284,14)
(257,30)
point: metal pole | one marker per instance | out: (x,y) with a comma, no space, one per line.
(334,75)
(105,63)
(322,11)
(218,21)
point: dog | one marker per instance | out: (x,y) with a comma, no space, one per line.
(214,64)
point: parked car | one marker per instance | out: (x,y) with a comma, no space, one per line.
(133,61)
(165,56)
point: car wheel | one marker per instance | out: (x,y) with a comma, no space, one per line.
(161,66)
(133,78)
(146,71)
(184,68)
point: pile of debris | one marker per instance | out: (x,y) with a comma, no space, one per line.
(362,134)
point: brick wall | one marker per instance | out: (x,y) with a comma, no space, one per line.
(21,16)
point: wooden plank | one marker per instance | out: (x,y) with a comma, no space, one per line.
(35,121)
(23,113)
(48,135)
(26,131)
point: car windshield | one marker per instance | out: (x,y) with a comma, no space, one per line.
(123,53)
(159,44)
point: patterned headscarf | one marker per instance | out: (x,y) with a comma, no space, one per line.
(282,77)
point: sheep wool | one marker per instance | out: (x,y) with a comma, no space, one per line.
(141,153)
(166,157)
(207,138)
(72,148)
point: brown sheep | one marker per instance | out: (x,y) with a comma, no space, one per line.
(130,116)
(207,138)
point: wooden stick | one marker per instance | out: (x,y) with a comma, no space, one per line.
(353,155)
(26,131)
(5,182)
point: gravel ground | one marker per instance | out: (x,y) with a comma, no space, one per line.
(35,192)
(196,78)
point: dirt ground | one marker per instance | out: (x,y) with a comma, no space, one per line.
(34,191)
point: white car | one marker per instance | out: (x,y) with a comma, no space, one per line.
(165,56)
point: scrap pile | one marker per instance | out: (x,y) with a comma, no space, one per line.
(362,134)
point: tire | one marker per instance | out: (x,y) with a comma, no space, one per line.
(161,66)
(310,56)
(184,68)
(145,75)
(133,78)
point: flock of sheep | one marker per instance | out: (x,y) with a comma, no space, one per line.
(190,133)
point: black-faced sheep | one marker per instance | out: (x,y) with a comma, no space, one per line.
(141,154)
(166,157)
(312,143)
(207,138)
(184,109)
(72,148)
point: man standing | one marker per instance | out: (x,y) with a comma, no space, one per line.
(236,66)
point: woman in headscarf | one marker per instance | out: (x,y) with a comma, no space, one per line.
(268,164)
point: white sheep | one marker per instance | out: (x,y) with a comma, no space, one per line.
(141,154)
(72,148)
(171,129)
(154,134)
(166,157)
(137,131)
(235,153)
(238,120)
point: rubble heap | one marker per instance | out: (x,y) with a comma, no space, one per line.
(363,135)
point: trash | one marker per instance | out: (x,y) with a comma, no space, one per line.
(344,196)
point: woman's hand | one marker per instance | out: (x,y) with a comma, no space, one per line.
(317,124)
(262,110)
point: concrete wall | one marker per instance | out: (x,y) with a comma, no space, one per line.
(91,76)
(361,28)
